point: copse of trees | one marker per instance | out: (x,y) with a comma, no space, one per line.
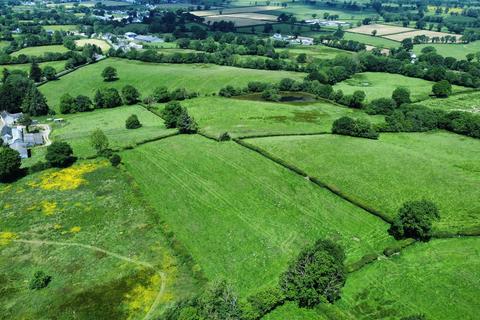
(19,94)
(162,95)
(354,127)
(414,220)
(130,94)
(384,106)
(107,98)
(316,276)
(175,116)
(442,89)
(401,95)
(69,104)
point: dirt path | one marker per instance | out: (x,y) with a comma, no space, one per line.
(46,134)
(115,255)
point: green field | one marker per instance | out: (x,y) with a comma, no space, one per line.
(302,12)
(40,50)
(373,41)
(102,44)
(249,217)
(61,27)
(440,279)
(77,128)
(216,115)
(313,52)
(203,78)
(58,65)
(460,102)
(383,174)
(458,51)
(381,85)
(71,224)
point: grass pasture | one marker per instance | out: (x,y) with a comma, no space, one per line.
(71,225)
(313,52)
(371,40)
(102,44)
(381,85)
(202,78)
(458,51)
(61,27)
(384,173)
(469,101)
(77,128)
(216,115)
(40,50)
(241,216)
(58,65)
(382,29)
(403,285)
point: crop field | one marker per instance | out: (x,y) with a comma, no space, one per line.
(77,128)
(61,27)
(382,29)
(371,40)
(460,102)
(58,65)
(302,12)
(229,11)
(403,285)
(383,174)
(102,44)
(458,51)
(40,50)
(313,52)
(216,115)
(428,33)
(249,216)
(381,85)
(202,78)
(71,225)
(243,19)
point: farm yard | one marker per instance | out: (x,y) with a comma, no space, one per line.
(230,173)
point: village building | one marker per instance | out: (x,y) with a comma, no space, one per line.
(16,136)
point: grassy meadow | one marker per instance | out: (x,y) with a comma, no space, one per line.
(381,85)
(216,115)
(102,44)
(371,40)
(249,216)
(313,52)
(383,174)
(61,27)
(58,65)
(440,279)
(40,50)
(458,51)
(469,101)
(77,128)
(202,78)
(71,224)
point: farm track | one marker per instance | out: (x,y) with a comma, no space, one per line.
(162,274)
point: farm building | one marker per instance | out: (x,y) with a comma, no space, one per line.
(15,136)
(149,39)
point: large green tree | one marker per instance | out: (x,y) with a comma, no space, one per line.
(34,103)
(35,72)
(99,141)
(10,163)
(414,220)
(59,154)
(109,73)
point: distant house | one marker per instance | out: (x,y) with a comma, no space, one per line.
(306,41)
(15,136)
(130,35)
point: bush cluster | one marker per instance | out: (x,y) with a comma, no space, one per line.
(354,127)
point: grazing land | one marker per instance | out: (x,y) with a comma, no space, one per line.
(40,50)
(313,52)
(381,85)
(401,285)
(246,117)
(102,44)
(371,40)
(458,51)
(382,29)
(244,209)
(428,33)
(70,224)
(61,27)
(243,19)
(460,102)
(76,128)
(383,174)
(202,78)
(58,65)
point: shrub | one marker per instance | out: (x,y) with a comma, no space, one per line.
(229,91)
(99,141)
(356,100)
(38,166)
(109,73)
(401,96)
(115,160)
(130,94)
(171,113)
(256,86)
(415,317)
(316,276)
(132,122)
(83,103)
(39,281)
(50,73)
(67,104)
(414,220)
(10,163)
(412,118)
(161,94)
(263,302)
(185,123)
(354,127)
(381,106)
(442,89)
(59,154)
(224,137)
(271,95)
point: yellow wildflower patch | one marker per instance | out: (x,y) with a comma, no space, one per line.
(75,229)
(141,298)
(65,179)
(48,208)
(7,206)
(6,237)
(57,226)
